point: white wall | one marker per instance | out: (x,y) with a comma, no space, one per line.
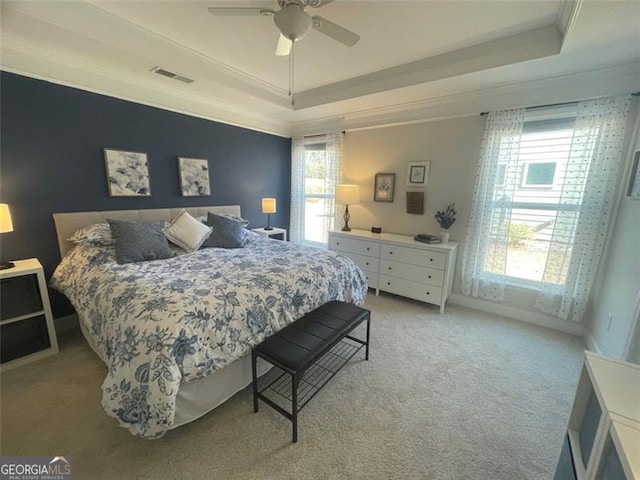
(453,148)
(618,286)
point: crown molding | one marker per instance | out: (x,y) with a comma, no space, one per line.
(30,61)
(101,25)
(568,17)
(562,88)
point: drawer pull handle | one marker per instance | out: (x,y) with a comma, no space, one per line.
(431,259)
(390,253)
(337,243)
(368,249)
(389,268)
(429,276)
(367,264)
(427,293)
(388,283)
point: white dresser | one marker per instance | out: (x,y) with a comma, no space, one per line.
(398,264)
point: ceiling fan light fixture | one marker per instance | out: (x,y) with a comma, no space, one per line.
(292,21)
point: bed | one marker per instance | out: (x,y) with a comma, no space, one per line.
(175,333)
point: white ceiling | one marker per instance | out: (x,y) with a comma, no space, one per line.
(415,59)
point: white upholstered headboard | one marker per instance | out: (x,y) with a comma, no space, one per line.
(68,223)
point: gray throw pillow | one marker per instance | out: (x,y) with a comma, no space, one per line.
(139,241)
(227,232)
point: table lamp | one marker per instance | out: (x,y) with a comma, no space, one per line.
(6,226)
(346,195)
(268,207)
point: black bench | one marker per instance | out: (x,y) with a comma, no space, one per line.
(314,345)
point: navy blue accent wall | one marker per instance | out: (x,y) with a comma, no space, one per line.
(52,140)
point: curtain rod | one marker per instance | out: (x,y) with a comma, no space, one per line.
(320,134)
(482,114)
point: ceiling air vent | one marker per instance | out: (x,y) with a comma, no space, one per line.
(175,76)
(180,78)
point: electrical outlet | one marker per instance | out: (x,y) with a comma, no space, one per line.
(610,320)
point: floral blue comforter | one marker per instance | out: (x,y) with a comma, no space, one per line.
(163,322)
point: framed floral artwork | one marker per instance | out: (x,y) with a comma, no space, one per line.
(384,187)
(194,177)
(418,174)
(127,173)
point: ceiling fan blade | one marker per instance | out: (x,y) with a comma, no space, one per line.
(284,46)
(240,11)
(335,31)
(318,3)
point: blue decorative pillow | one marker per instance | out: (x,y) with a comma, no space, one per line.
(139,241)
(227,232)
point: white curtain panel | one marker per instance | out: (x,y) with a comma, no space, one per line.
(485,251)
(589,193)
(296,223)
(333,148)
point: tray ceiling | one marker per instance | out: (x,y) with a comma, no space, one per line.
(409,53)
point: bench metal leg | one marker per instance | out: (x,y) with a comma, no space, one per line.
(367,346)
(254,375)
(294,406)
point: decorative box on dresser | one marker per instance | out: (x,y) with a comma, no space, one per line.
(399,264)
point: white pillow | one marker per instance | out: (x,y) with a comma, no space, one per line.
(187,232)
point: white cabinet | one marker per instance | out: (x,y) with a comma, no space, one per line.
(27,332)
(279,233)
(398,264)
(364,253)
(603,435)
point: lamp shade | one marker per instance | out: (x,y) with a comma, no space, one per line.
(268,205)
(6,225)
(347,194)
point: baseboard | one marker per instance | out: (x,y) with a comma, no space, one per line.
(591,343)
(66,324)
(517,314)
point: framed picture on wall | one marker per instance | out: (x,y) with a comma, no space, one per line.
(418,174)
(384,187)
(127,173)
(633,190)
(194,177)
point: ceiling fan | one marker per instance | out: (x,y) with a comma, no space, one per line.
(293,22)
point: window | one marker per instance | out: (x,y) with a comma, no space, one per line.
(319,195)
(542,203)
(315,172)
(501,175)
(539,174)
(526,210)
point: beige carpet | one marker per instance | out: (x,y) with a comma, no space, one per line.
(463,395)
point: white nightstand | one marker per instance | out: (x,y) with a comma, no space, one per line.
(271,233)
(27,332)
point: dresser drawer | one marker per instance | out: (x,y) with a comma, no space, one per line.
(372,279)
(415,256)
(430,276)
(353,245)
(364,262)
(408,288)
